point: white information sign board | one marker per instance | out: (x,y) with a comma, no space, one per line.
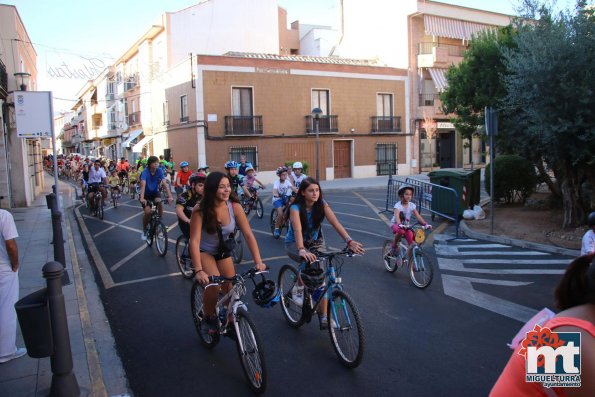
(33,114)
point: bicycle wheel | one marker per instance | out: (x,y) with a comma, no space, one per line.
(238,252)
(251,353)
(246,205)
(421,269)
(115,200)
(126,186)
(259,208)
(100,208)
(183,257)
(389,258)
(161,238)
(196,303)
(150,233)
(273,221)
(347,336)
(288,276)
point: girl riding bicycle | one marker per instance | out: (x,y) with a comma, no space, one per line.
(212,224)
(403,210)
(282,189)
(306,215)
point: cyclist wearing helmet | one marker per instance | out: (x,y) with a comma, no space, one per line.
(297,176)
(282,189)
(403,210)
(182,177)
(213,221)
(588,246)
(235,179)
(204,169)
(306,215)
(187,200)
(150,180)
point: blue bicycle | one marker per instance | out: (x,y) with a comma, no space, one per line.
(323,286)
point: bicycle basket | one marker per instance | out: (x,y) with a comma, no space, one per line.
(313,277)
(420,236)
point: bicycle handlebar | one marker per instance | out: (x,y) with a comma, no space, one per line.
(250,273)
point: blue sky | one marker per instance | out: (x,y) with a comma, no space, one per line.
(63,31)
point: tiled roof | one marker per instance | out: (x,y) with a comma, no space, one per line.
(303,58)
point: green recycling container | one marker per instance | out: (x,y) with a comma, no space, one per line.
(466,183)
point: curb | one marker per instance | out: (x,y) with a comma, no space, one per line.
(517,243)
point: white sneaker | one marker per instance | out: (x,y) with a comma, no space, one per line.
(324,322)
(20,352)
(143,236)
(297,295)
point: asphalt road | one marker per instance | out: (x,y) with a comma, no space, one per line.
(448,339)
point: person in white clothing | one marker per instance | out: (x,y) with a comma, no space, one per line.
(296,175)
(404,209)
(588,246)
(282,190)
(9,288)
(97,178)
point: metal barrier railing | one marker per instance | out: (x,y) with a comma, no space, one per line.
(425,194)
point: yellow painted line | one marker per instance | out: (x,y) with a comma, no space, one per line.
(105,275)
(374,208)
(95,372)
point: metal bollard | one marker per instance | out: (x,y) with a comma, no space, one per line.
(64,383)
(52,202)
(58,241)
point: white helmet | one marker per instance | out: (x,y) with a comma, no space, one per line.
(297,164)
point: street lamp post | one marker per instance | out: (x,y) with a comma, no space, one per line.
(22,80)
(316,112)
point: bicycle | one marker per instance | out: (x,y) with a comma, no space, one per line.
(235,323)
(343,316)
(115,196)
(135,193)
(419,263)
(96,204)
(183,257)
(285,222)
(156,230)
(125,185)
(253,202)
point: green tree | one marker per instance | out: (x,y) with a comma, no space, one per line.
(476,82)
(550,103)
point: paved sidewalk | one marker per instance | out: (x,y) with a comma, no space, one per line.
(96,365)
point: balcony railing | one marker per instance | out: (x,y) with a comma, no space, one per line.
(428,99)
(110,96)
(3,80)
(183,119)
(243,125)
(327,124)
(134,118)
(130,82)
(386,124)
(453,50)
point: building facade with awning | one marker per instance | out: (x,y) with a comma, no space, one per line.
(138,148)
(129,141)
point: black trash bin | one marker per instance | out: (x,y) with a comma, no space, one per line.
(34,317)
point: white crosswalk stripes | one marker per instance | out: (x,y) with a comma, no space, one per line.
(464,259)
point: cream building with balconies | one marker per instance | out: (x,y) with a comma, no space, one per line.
(426,37)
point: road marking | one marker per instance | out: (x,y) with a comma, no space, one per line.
(515,261)
(95,371)
(128,257)
(461,288)
(358,216)
(480,246)
(104,231)
(455,265)
(140,280)
(374,208)
(452,250)
(340,202)
(105,275)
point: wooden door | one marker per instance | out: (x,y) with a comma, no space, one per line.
(342,158)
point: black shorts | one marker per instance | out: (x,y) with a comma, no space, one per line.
(150,198)
(219,256)
(184,228)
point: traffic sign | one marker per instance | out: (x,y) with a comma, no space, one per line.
(33,115)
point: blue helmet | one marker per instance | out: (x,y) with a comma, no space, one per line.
(184,164)
(231,164)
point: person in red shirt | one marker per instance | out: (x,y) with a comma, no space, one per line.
(182,177)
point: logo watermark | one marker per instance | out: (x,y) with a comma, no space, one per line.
(80,69)
(552,358)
